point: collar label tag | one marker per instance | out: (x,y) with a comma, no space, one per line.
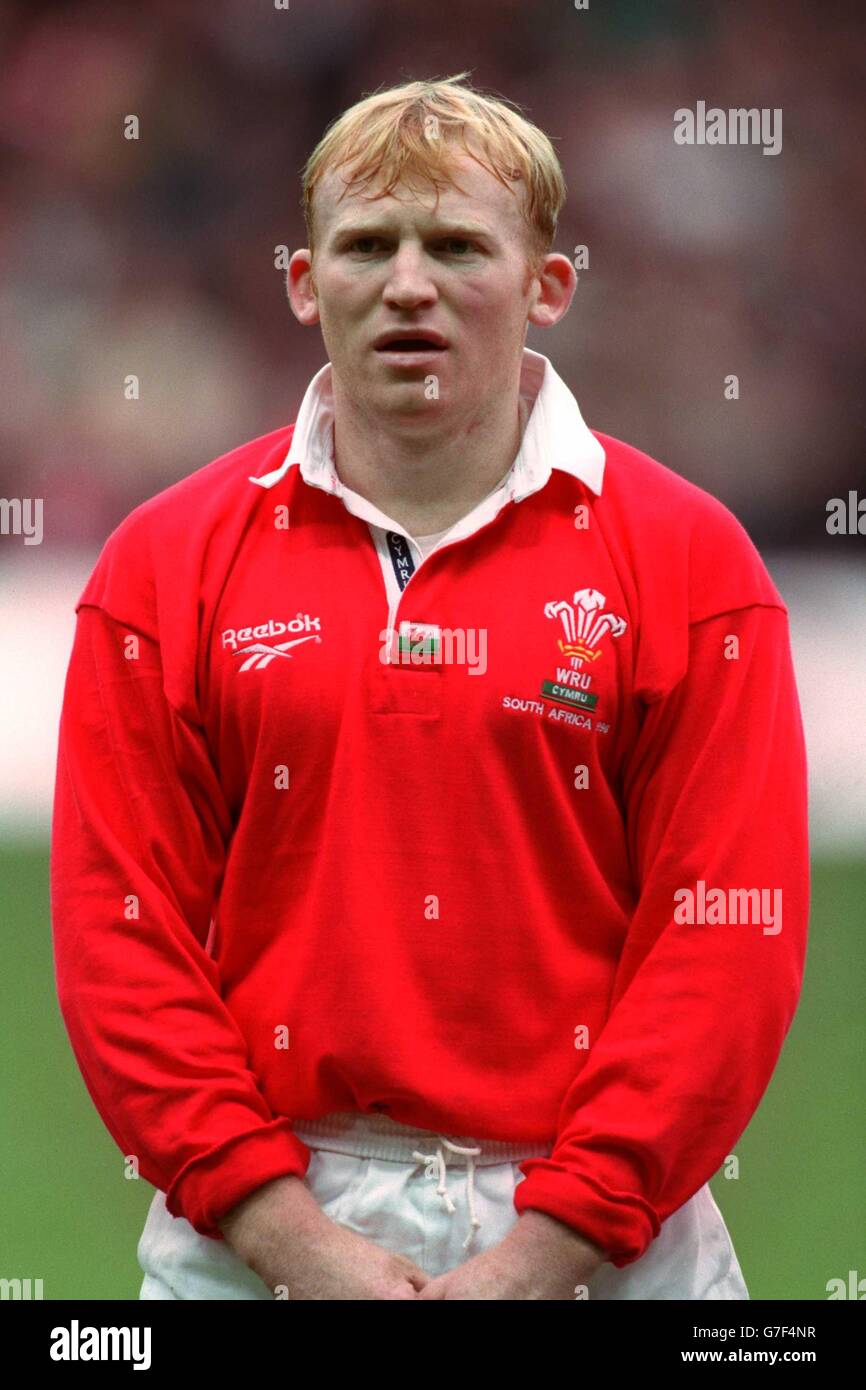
(401,557)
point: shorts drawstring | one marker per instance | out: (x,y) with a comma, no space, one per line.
(437,1161)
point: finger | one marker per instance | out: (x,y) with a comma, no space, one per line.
(434,1289)
(402,1291)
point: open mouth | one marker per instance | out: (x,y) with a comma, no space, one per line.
(411,345)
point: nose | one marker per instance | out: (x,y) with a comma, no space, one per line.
(409,281)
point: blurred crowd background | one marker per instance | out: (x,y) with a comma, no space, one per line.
(155,257)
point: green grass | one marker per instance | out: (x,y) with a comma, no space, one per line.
(69,1217)
(796,1212)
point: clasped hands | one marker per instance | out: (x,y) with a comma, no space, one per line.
(300,1253)
(539,1258)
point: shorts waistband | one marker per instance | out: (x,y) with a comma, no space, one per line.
(381,1136)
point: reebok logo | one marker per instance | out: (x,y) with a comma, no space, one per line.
(259,654)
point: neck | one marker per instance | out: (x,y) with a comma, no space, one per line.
(423,479)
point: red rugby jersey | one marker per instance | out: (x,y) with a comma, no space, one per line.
(338,828)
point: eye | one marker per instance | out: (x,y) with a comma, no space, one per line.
(362,244)
(453,241)
(455,246)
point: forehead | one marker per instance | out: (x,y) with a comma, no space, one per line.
(481,197)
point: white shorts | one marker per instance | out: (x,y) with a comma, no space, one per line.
(412,1191)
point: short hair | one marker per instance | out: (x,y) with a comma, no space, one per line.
(390,136)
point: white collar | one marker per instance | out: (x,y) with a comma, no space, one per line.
(555,437)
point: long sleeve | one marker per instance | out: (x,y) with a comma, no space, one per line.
(139,839)
(714,798)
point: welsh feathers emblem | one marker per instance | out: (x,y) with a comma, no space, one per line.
(584,624)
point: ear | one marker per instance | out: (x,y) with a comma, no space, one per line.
(554,284)
(301,289)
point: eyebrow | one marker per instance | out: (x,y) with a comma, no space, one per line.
(445,229)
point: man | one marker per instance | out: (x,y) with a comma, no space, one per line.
(431,791)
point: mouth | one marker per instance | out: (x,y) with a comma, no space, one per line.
(405,348)
(412,353)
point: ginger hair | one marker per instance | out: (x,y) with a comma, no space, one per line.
(409,134)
